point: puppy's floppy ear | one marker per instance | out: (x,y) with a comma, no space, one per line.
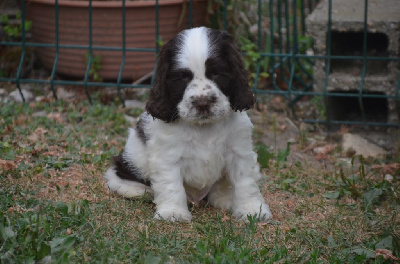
(242,97)
(158,104)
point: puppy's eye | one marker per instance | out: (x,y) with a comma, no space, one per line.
(185,76)
(214,74)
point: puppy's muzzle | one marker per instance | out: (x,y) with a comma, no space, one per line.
(204,103)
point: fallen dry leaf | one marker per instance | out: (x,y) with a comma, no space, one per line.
(35,136)
(6,165)
(8,129)
(261,224)
(320,156)
(68,231)
(322,152)
(348,200)
(55,116)
(387,168)
(386,254)
(325,149)
(50,153)
(225,218)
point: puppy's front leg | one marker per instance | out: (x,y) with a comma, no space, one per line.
(170,196)
(243,174)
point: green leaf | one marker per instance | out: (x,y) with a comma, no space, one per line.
(289,181)
(9,257)
(264,156)
(69,242)
(331,242)
(363,251)
(151,259)
(371,195)
(332,195)
(62,207)
(9,232)
(56,244)
(4,18)
(6,233)
(283,154)
(45,250)
(28,25)
(62,244)
(385,243)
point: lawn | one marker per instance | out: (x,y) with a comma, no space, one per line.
(55,207)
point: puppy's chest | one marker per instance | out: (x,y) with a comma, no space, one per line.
(201,166)
(202,163)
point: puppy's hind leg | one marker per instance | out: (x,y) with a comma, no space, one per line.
(126,176)
(127,188)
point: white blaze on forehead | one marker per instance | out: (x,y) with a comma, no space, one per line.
(194,50)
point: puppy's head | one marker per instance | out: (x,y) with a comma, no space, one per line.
(200,78)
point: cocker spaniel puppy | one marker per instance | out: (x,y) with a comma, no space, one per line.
(194,141)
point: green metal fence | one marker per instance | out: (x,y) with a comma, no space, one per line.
(279,52)
(301,82)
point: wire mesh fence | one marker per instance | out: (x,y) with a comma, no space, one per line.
(352,70)
(341,55)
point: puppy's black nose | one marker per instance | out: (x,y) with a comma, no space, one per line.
(204,103)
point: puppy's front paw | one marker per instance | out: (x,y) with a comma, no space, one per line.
(260,209)
(173,215)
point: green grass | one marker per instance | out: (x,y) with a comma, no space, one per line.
(55,208)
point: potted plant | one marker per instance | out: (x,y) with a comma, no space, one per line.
(107,31)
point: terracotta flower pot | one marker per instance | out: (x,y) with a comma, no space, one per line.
(107,31)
